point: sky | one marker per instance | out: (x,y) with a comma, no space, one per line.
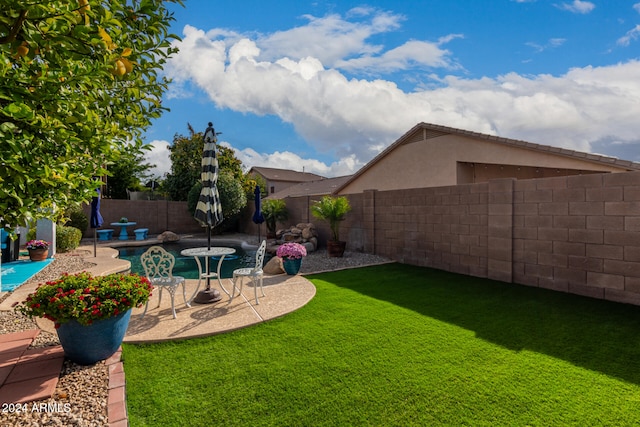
(324,86)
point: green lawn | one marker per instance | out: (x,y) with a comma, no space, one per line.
(396,345)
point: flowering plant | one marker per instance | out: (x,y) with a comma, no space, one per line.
(291,250)
(37,244)
(85,298)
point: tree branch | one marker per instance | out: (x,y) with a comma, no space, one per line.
(15,29)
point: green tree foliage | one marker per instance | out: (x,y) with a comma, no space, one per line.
(186,158)
(128,171)
(77,219)
(78,80)
(232,198)
(186,155)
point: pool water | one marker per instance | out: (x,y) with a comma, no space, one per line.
(186,266)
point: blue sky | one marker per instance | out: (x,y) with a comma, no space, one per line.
(325,86)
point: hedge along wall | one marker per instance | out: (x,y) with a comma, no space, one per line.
(577,234)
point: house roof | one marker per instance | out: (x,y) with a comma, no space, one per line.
(424,130)
(312,188)
(285,175)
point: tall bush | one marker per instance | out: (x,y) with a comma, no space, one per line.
(77,219)
(67,238)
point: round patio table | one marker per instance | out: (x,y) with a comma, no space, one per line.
(204,272)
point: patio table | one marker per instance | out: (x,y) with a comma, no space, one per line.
(203,271)
(123,229)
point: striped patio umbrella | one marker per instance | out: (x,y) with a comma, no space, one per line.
(209,210)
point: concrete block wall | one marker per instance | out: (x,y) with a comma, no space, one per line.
(577,234)
(156,215)
(580,234)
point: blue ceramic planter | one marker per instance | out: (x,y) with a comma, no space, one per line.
(88,344)
(291,266)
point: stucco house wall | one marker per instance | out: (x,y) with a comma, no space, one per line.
(432,156)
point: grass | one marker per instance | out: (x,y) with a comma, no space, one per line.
(396,345)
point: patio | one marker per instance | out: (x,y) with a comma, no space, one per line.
(284,294)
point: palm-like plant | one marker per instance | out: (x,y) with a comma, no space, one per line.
(274,211)
(332,210)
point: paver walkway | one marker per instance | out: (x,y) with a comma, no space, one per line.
(27,374)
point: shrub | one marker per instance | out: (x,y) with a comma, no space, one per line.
(67,238)
(78,219)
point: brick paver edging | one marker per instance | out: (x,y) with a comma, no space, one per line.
(116,402)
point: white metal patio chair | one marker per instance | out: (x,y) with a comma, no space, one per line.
(158,267)
(254,273)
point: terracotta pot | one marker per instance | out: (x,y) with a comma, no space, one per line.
(38,254)
(335,248)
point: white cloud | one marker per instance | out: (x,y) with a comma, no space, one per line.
(158,158)
(577,6)
(354,118)
(289,160)
(636,7)
(631,35)
(411,53)
(551,44)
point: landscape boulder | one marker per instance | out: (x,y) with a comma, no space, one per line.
(274,266)
(168,236)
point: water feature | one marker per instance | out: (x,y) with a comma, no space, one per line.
(186,267)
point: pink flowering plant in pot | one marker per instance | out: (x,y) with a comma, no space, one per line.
(291,251)
(86,298)
(37,244)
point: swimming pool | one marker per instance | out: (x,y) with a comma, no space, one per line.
(186,267)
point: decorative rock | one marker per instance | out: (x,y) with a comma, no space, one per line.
(308,246)
(309,233)
(314,242)
(274,266)
(303,233)
(168,236)
(288,237)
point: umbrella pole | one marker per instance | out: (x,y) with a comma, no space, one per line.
(208,295)
(208,259)
(95,243)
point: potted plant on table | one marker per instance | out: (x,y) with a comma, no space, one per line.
(38,249)
(333,210)
(91,314)
(291,254)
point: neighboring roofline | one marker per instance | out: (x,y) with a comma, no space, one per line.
(262,169)
(588,157)
(291,191)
